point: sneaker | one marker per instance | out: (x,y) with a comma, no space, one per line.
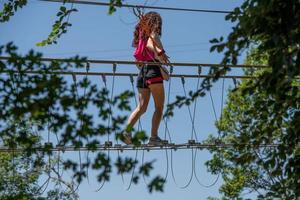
(155,141)
(127,138)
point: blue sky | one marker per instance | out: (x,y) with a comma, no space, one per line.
(97,35)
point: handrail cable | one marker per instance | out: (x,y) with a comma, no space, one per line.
(177,64)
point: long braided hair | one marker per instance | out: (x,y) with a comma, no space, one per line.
(150,22)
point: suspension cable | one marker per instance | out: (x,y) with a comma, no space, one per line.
(192,134)
(87,68)
(110,114)
(222,104)
(195,103)
(79,151)
(139,128)
(141,6)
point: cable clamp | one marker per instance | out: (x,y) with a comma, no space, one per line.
(234,81)
(182,80)
(131,78)
(171,69)
(74,77)
(103,78)
(199,70)
(114,67)
(87,67)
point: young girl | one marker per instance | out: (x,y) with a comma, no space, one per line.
(150,81)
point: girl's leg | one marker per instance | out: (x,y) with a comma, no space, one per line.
(158,93)
(144,96)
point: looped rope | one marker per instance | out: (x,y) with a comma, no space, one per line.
(110,111)
(136,152)
(87,68)
(193,132)
(222,103)
(192,118)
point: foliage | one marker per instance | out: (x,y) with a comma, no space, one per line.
(55,106)
(13,182)
(20,171)
(273,26)
(258,118)
(9,9)
(60,26)
(268,111)
(262,110)
(19,179)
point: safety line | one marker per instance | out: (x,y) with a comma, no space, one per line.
(195,158)
(110,115)
(136,152)
(140,6)
(193,132)
(189,109)
(77,97)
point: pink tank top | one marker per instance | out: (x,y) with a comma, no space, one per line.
(142,53)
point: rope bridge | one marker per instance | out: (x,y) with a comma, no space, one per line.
(193,144)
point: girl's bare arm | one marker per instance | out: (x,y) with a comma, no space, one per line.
(154,43)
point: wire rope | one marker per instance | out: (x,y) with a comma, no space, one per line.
(192,150)
(136,152)
(218,176)
(143,6)
(110,113)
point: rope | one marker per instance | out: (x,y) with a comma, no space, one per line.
(188,106)
(74,78)
(42,189)
(87,68)
(110,115)
(213,105)
(195,103)
(79,151)
(168,102)
(46,59)
(198,180)
(136,152)
(142,6)
(173,176)
(222,103)
(193,132)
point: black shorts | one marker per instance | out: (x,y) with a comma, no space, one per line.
(149,74)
